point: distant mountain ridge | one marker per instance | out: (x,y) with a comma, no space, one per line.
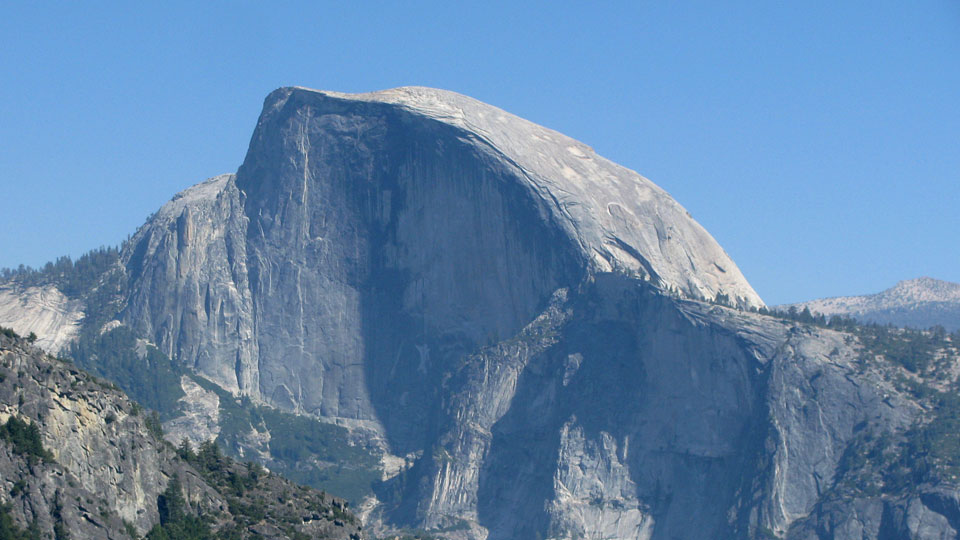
(919,303)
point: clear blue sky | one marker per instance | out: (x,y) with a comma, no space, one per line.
(819,142)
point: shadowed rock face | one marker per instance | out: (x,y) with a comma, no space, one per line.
(620,413)
(518,318)
(381,247)
(371,235)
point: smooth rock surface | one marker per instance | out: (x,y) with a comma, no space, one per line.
(518,318)
(45,311)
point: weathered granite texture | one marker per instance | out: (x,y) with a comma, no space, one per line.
(627,414)
(45,311)
(520,325)
(106,470)
(363,234)
(496,299)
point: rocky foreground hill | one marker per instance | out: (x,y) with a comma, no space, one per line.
(79,460)
(917,303)
(476,327)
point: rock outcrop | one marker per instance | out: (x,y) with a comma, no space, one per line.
(532,335)
(100,471)
(362,232)
(658,418)
(44,311)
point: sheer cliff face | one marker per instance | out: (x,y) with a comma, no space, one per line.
(189,292)
(374,234)
(620,413)
(381,244)
(516,315)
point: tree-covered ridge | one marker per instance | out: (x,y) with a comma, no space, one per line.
(301,448)
(251,494)
(927,353)
(923,364)
(257,501)
(139,369)
(218,498)
(73,278)
(24,437)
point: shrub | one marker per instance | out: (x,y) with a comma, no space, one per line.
(25,439)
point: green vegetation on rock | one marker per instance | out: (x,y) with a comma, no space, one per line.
(917,363)
(207,495)
(10,531)
(301,448)
(25,439)
(176,523)
(142,371)
(74,279)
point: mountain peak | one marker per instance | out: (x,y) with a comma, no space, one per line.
(920,302)
(924,289)
(620,221)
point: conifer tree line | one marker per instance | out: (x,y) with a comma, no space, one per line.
(71,277)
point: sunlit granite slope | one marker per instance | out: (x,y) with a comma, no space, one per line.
(522,328)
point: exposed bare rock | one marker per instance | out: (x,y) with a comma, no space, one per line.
(523,328)
(199,422)
(619,219)
(101,469)
(271,283)
(45,311)
(191,296)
